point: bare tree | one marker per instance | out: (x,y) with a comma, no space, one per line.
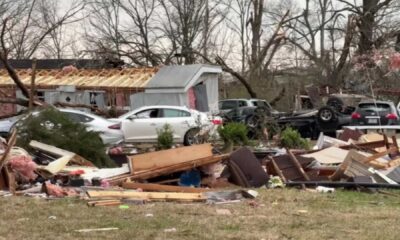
(308,33)
(27,27)
(124,29)
(183,25)
(62,38)
(377,22)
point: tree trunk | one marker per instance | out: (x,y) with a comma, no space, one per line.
(366,26)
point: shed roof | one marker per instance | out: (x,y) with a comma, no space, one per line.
(84,78)
(180,76)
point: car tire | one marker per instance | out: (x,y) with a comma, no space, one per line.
(190,137)
(251,121)
(326,114)
(336,103)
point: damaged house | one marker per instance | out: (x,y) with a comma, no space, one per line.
(90,82)
(194,86)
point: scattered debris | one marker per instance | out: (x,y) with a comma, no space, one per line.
(168,230)
(96,229)
(221,211)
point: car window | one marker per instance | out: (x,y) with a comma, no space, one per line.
(228,104)
(149,113)
(170,113)
(242,103)
(379,107)
(76,117)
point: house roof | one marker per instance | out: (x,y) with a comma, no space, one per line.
(178,77)
(60,63)
(84,78)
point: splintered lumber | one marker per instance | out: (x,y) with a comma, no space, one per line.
(143,175)
(146,195)
(10,144)
(277,170)
(57,165)
(169,157)
(394,163)
(367,145)
(178,167)
(162,188)
(379,155)
(298,165)
(111,202)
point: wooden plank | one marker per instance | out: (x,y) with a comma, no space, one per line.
(366,145)
(163,188)
(297,165)
(10,144)
(112,202)
(146,195)
(277,170)
(143,175)
(178,167)
(169,157)
(378,155)
(58,152)
(377,165)
(394,163)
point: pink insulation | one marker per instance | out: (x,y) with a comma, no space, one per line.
(24,166)
(57,191)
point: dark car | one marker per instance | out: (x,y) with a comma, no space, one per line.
(227,105)
(239,114)
(253,117)
(375,113)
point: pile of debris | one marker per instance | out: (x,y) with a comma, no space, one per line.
(185,174)
(199,173)
(354,160)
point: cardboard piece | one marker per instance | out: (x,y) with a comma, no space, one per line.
(327,156)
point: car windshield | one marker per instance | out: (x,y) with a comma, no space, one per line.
(228,104)
(378,107)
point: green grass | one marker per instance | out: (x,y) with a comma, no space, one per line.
(281,214)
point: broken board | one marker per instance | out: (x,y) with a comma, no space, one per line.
(146,195)
(169,157)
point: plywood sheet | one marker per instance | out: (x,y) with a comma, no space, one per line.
(169,157)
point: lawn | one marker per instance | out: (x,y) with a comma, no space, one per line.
(275,214)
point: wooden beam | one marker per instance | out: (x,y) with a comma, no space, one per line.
(146,195)
(277,169)
(163,188)
(10,144)
(32,90)
(298,165)
(378,155)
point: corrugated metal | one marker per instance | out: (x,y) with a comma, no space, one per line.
(106,78)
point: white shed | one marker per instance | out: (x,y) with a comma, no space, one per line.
(194,86)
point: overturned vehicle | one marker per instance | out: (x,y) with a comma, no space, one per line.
(327,115)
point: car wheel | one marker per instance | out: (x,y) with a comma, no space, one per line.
(252,121)
(335,103)
(326,114)
(190,137)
